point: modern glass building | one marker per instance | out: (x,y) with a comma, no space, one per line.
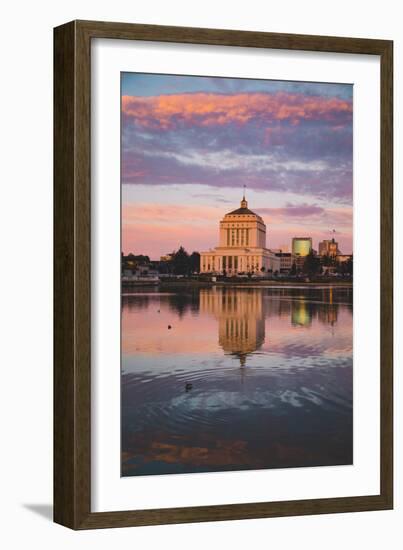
(301,246)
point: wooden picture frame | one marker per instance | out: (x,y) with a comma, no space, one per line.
(72,270)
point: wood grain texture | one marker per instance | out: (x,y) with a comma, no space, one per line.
(72,274)
(64,344)
(72,324)
(386,254)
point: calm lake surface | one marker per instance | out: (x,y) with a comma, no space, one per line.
(245,378)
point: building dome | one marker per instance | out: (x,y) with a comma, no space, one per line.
(243,211)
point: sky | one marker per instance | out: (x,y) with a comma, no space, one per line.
(190,144)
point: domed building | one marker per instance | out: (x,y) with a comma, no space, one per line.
(242,246)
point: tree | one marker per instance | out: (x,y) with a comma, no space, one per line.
(180,262)
(293,270)
(312,264)
(194,262)
(345,268)
(328,260)
(350,266)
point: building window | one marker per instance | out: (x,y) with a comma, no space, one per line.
(236,262)
(229,262)
(227,237)
(224,262)
(247,237)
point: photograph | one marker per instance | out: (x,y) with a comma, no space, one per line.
(236,274)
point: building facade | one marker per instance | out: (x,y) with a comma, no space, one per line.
(329,248)
(242,246)
(286,261)
(301,246)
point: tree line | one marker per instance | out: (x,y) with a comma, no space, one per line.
(181,262)
(314,265)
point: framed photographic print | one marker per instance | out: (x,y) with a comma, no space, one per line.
(222,273)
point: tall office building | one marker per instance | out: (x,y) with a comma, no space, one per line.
(301,246)
(329,248)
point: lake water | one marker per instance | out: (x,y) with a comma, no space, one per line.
(245,378)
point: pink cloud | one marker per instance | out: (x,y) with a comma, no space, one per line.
(208,109)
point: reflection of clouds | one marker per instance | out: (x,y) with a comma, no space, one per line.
(210,452)
(214,453)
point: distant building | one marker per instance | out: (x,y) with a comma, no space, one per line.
(329,248)
(286,261)
(142,274)
(242,246)
(131,261)
(301,246)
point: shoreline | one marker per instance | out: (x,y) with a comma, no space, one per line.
(246,284)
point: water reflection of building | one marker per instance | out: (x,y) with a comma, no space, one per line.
(241,323)
(301,314)
(328,315)
(325,310)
